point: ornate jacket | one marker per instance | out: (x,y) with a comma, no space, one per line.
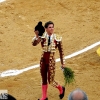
(56,42)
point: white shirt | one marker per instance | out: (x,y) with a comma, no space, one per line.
(51,36)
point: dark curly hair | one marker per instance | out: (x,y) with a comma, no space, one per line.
(48,23)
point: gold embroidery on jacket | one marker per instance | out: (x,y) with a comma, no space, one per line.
(51,47)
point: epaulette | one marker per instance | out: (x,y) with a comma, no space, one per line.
(58,37)
(44,35)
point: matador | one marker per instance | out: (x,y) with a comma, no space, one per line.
(49,43)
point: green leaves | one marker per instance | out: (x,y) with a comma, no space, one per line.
(68,75)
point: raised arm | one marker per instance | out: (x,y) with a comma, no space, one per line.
(39,30)
(36,39)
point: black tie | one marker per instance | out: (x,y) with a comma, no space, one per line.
(49,41)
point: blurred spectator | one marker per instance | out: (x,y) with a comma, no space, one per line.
(77,94)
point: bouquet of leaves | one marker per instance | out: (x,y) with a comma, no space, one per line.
(68,75)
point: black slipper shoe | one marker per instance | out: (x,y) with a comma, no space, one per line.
(44,99)
(62,95)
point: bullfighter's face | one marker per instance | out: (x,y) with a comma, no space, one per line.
(50,29)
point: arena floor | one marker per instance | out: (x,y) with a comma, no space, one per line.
(77,21)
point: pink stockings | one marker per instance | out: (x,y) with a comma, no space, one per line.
(60,89)
(44,92)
